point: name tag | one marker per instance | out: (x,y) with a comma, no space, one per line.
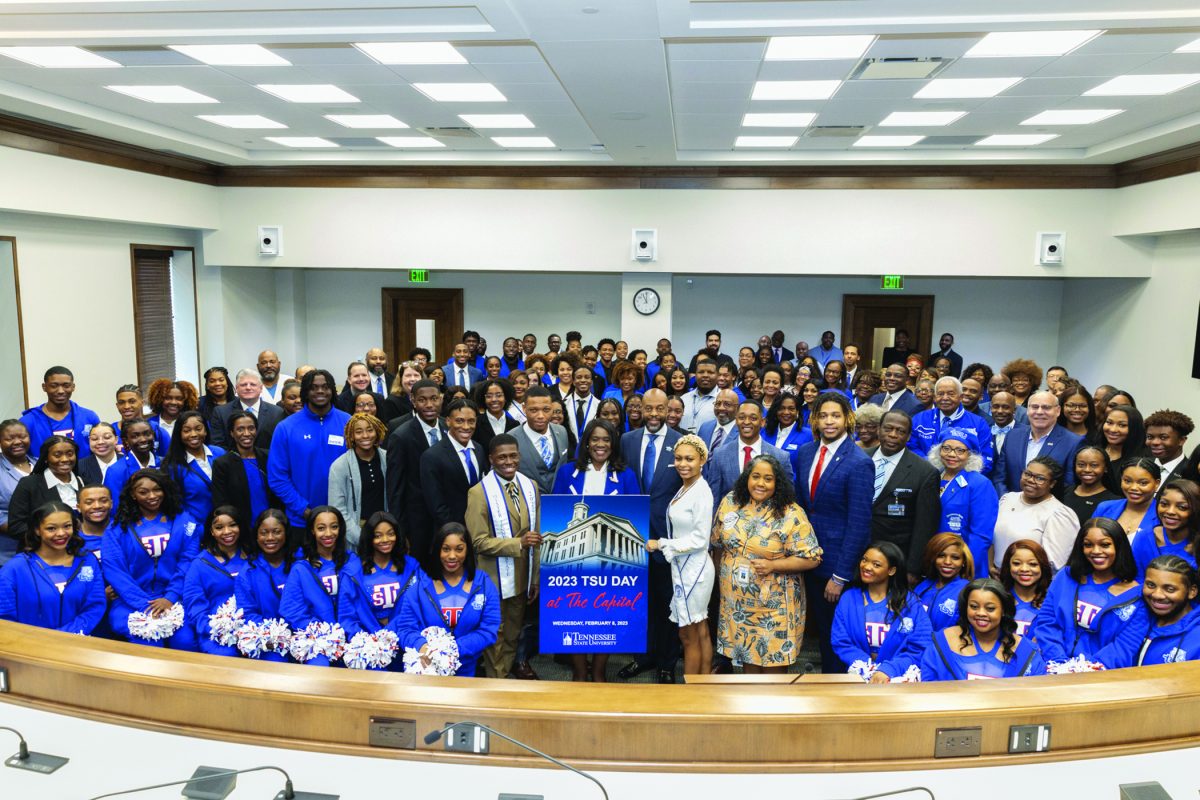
(741,575)
(895,510)
(70,434)
(337,441)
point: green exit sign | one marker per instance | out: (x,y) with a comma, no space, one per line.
(418,276)
(892,283)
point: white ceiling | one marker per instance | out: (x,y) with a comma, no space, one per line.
(622,82)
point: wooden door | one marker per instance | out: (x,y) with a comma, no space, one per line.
(865,314)
(408,316)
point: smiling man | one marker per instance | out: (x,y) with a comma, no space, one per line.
(59,415)
(1043,436)
(735,453)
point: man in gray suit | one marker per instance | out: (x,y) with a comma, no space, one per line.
(734,453)
(248,387)
(543,444)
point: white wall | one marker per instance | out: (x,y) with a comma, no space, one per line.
(12,389)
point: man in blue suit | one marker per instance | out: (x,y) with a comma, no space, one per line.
(1042,437)
(947,412)
(459,372)
(896,396)
(728,460)
(722,428)
(835,486)
(649,450)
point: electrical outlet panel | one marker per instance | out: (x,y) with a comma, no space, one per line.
(1028,738)
(958,742)
(467,739)
(399,734)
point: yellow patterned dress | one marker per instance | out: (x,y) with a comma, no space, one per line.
(761,620)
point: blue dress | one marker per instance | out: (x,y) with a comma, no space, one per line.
(941,663)
(941,604)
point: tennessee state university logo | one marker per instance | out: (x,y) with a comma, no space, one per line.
(876,634)
(1086,613)
(330,582)
(155,543)
(1023,626)
(451,615)
(384,595)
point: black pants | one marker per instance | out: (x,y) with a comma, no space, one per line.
(820,622)
(663,647)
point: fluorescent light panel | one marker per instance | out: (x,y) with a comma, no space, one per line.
(782,120)
(1190,47)
(412,52)
(806,48)
(58,57)
(300,141)
(523,141)
(163,94)
(461,92)
(765,141)
(955,88)
(308,92)
(232,55)
(1014,44)
(1015,139)
(1066,116)
(248,121)
(366,120)
(887,141)
(921,119)
(795,90)
(410,141)
(497,120)
(1130,85)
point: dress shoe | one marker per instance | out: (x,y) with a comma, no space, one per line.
(524,672)
(632,670)
(666,676)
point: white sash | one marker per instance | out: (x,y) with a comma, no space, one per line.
(516,412)
(502,525)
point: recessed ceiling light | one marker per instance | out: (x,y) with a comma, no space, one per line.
(366,120)
(1143,85)
(412,52)
(783,120)
(803,48)
(1012,44)
(965,87)
(241,120)
(232,55)
(163,94)
(794,90)
(523,141)
(920,119)
(497,120)
(461,92)
(1072,116)
(1015,139)
(887,141)
(300,141)
(308,92)
(410,141)
(1190,47)
(58,57)
(765,141)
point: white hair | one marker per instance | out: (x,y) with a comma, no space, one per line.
(948,379)
(242,373)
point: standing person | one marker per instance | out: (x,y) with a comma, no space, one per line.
(826,352)
(405,446)
(947,568)
(905,506)
(358,478)
(138,436)
(1078,411)
(460,371)
(146,554)
(1024,378)
(782,429)
(398,403)
(543,445)
(303,448)
(377,362)
(104,444)
(358,381)
(1135,512)
(779,353)
(581,405)
(512,360)
(494,396)
(502,523)
(698,403)
(1037,513)
(259,587)
(946,350)
(452,466)
(735,454)
(899,351)
(53,479)
(59,415)
(1167,432)
(1043,437)
(969,502)
(1123,435)
(370,600)
(131,406)
(1091,482)
(189,463)
(248,388)
(529,346)
(715,431)
(168,399)
(211,576)
(15,464)
(1025,571)
(239,478)
(689,527)
(984,643)
(834,485)
(218,390)
(289,399)
(272,379)
(850,358)
(896,395)
(1178,531)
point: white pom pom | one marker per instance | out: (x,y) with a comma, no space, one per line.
(224,625)
(144,626)
(863,669)
(1072,666)
(371,650)
(441,648)
(911,675)
(268,636)
(318,639)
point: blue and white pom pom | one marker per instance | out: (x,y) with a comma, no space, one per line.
(911,675)
(1072,666)
(371,650)
(863,669)
(268,636)
(223,626)
(144,626)
(442,649)
(318,639)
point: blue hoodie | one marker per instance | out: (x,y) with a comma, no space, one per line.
(940,604)
(118,474)
(29,594)
(303,448)
(478,624)
(208,584)
(941,663)
(1179,641)
(903,641)
(1118,627)
(258,589)
(1113,509)
(1146,549)
(76,425)
(357,612)
(307,598)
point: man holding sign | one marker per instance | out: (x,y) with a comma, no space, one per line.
(502,520)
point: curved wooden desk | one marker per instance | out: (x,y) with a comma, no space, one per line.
(726,728)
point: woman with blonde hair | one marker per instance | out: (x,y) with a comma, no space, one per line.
(358,478)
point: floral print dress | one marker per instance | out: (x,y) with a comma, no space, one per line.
(761,620)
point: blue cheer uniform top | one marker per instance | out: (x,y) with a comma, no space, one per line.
(1146,548)
(1026,614)
(452,600)
(941,604)
(1090,600)
(383,588)
(876,614)
(328,575)
(58,575)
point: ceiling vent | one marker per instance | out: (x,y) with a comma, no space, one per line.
(834,131)
(451,133)
(898,69)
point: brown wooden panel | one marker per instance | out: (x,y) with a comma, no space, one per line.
(20,320)
(403,307)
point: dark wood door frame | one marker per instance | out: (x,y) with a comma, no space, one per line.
(920,340)
(12,240)
(172,249)
(399,326)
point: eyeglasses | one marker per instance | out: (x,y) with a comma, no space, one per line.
(1033,477)
(958,451)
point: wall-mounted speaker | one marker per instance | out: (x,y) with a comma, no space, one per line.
(270,240)
(645,244)
(1051,249)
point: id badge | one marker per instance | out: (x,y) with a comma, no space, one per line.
(337,441)
(895,509)
(741,575)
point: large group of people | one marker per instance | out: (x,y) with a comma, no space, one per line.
(921,520)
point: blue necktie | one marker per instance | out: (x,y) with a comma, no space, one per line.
(462,378)
(433,437)
(880,478)
(379,385)
(544,448)
(648,463)
(720,437)
(472,475)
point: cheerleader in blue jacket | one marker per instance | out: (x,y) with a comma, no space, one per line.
(1025,572)
(1178,531)
(457,598)
(369,599)
(189,463)
(212,575)
(1136,512)
(147,551)
(1094,606)
(311,592)
(138,438)
(969,502)
(53,583)
(947,567)
(984,642)
(1172,630)
(878,621)
(259,587)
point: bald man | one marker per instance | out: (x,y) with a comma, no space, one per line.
(272,378)
(1043,436)
(377,362)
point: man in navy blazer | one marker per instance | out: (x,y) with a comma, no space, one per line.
(728,460)
(459,372)
(1043,436)
(895,389)
(835,482)
(655,470)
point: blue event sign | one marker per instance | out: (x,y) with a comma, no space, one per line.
(594,573)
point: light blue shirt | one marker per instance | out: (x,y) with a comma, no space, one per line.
(824,356)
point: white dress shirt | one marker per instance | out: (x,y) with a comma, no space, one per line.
(831,451)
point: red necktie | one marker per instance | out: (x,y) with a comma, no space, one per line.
(748,450)
(812,490)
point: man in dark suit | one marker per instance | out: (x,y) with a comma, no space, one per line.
(727,461)
(834,486)
(248,388)
(946,343)
(649,450)
(381,379)
(1166,434)
(896,396)
(405,446)
(452,466)
(459,372)
(542,444)
(1043,436)
(906,507)
(778,351)
(898,352)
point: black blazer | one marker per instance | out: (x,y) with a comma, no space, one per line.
(269,415)
(484,432)
(30,494)
(914,485)
(893,356)
(90,473)
(394,407)
(405,446)
(444,481)
(345,400)
(230,488)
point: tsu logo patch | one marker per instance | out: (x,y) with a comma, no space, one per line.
(948,606)
(477,602)
(189,529)
(954,522)
(86,574)
(1125,613)
(906,625)
(1175,656)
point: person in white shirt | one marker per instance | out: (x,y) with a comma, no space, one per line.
(698,403)
(1167,432)
(272,378)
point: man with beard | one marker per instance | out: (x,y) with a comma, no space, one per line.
(272,378)
(381,379)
